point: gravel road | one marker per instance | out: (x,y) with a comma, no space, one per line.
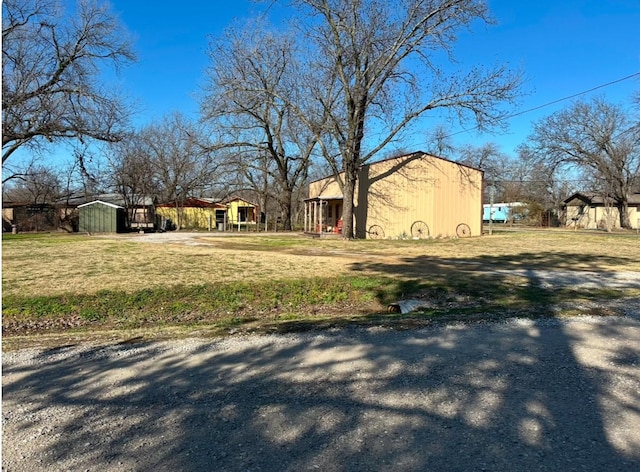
(542,395)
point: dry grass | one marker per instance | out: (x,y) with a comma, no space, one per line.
(87,265)
(84,265)
(57,288)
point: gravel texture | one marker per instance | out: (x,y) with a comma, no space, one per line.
(534,395)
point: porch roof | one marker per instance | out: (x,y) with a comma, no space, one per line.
(324,198)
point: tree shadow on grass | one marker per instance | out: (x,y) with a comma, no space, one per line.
(426,265)
(529,277)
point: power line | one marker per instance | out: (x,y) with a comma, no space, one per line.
(574,95)
(569,97)
(533,181)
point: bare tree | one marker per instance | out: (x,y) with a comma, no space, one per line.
(439,142)
(487,157)
(256,174)
(181,162)
(131,173)
(600,140)
(50,69)
(375,72)
(20,170)
(544,188)
(252,91)
(500,171)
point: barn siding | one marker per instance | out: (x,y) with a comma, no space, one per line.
(397,192)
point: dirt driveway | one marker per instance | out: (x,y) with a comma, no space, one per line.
(540,395)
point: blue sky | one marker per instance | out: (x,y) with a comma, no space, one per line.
(563,47)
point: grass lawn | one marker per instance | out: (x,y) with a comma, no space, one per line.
(79,287)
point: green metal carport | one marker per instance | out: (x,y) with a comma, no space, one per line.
(101,217)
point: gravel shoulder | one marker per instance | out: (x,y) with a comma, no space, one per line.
(520,395)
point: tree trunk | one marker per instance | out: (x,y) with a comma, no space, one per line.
(348,194)
(262,207)
(623,210)
(286,204)
(178,217)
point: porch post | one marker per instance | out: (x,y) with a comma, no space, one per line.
(306,216)
(315,216)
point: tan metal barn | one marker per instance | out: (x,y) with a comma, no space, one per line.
(411,196)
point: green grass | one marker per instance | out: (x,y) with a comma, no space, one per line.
(180,304)
(233,304)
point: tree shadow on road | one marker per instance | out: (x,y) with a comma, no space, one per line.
(523,395)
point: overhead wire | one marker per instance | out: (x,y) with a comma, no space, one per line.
(553,102)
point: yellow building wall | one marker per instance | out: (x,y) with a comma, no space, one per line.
(190,217)
(328,187)
(233,211)
(634,217)
(7,216)
(396,193)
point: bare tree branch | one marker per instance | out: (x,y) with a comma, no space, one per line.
(49,74)
(253,92)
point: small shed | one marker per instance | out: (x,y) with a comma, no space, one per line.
(241,211)
(102,217)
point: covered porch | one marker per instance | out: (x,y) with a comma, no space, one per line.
(323,216)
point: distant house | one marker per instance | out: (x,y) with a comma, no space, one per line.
(591,211)
(20,216)
(501,212)
(208,213)
(411,196)
(241,212)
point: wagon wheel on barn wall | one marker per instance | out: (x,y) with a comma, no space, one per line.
(463,230)
(419,230)
(376,232)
